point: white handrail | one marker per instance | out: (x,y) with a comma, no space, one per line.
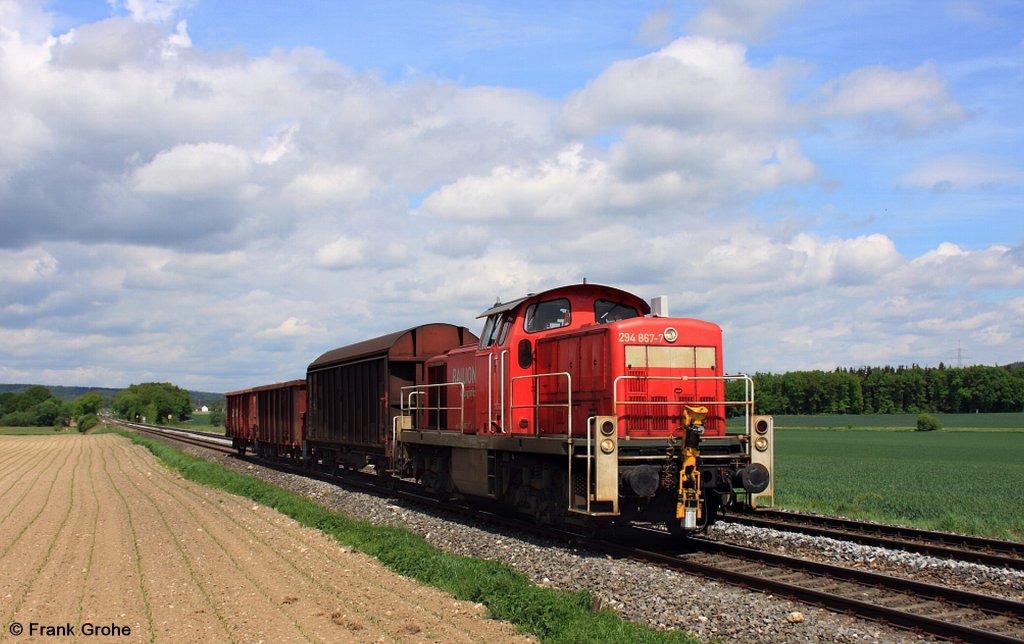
(536,394)
(417,392)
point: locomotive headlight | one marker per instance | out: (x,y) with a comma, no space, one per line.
(607,446)
(671,335)
(761,426)
(761,444)
(607,428)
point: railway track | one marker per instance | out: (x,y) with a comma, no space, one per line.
(990,552)
(191,437)
(923,608)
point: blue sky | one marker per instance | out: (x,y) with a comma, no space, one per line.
(213,193)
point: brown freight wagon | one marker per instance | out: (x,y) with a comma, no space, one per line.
(280,416)
(355,392)
(240,418)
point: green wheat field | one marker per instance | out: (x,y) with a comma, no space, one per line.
(966,477)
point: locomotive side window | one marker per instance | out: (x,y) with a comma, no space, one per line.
(488,330)
(606,311)
(506,324)
(547,315)
(495,330)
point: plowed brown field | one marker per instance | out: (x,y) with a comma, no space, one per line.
(94,531)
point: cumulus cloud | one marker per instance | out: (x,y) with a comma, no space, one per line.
(27,265)
(151,10)
(326,185)
(741,19)
(694,83)
(343,252)
(907,102)
(193,170)
(960,172)
(655,30)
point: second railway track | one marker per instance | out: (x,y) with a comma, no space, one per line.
(989,552)
(921,607)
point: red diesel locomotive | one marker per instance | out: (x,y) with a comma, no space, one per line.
(574,405)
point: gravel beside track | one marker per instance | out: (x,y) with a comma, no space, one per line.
(1000,582)
(652,596)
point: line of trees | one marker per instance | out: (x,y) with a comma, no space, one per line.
(889,390)
(153,402)
(37,407)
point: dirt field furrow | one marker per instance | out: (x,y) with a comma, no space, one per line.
(295,550)
(15,467)
(169,578)
(241,599)
(111,590)
(98,532)
(13,504)
(67,548)
(32,524)
(292,554)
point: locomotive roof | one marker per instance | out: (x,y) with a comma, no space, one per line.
(608,291)
(415,343)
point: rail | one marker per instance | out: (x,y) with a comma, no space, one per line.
(989,552)
(929,609)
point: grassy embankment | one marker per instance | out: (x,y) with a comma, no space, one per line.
(963,478)
(551,615)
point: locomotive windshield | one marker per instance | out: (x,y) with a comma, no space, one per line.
(495,330)
(606,311)
(552,314)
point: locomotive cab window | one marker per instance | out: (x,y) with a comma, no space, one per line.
(552,314)
(606,311)
(495,330)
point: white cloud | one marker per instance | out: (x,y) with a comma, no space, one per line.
(194,170)
(741,19)
(655,30)
(151,10)
(291,327)
(695,84)
(27,266)
(907,102)
(324,185)
(960,172)
(566,186)
(343,252)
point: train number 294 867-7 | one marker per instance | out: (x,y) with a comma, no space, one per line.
(641,338)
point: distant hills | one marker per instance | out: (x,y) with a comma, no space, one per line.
(70,393)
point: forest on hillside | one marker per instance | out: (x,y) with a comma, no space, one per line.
(889,390)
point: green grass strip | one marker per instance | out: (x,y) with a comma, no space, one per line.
(551,615)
